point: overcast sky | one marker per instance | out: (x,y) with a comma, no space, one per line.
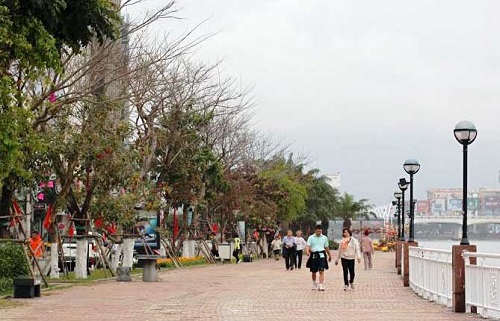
(360,86)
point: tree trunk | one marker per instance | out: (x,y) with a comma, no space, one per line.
(128,252)
(6,200)
(115,258)
(54,260)
(185,231)
(82,246)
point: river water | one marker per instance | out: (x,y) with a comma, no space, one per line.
(482,245)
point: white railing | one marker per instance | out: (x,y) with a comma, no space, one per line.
(431,274)
(482,283)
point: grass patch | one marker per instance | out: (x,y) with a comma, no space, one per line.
(99,274)
(5,304)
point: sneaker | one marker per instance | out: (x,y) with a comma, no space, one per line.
(239,261)
(320,287)
(314,286)
(291,269)
(345,287)
(352,286)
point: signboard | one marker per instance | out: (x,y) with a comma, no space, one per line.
(438,205)
(454,204)
(39,206)
(473,204)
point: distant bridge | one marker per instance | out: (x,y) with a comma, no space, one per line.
(471,220)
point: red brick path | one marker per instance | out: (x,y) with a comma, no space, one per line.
(260,291)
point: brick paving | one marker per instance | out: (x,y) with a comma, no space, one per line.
(260,291)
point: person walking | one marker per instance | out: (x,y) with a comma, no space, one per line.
(215,246)
(348,253)
(317,249)
(237,248)
(301,244)
(276,247)
(289,247)
(367,249)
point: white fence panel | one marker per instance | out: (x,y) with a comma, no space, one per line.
(482,285)
(431,274)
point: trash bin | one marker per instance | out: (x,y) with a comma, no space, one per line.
(26,288)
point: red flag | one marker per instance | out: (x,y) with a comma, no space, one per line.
(48,218)
(98,222)
(111,228)
(176,224)
(71,230)
(13,222)
(17,209)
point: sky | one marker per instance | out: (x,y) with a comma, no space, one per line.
(361,86)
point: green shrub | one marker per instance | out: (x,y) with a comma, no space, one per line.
(5,285)
(12,264)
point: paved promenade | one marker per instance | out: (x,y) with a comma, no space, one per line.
(259,291)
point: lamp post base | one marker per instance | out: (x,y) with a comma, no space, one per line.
(406,262)
(399,250)
(458,269)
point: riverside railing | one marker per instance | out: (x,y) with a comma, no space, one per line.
(431,274)
(482,283)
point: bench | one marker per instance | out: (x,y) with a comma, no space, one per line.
(26,288)
(148,263)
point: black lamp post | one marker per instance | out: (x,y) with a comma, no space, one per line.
(465,132)
(411,166)
(403,185)
(398,196)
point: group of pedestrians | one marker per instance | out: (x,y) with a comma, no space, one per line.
(317,250)
(291,248)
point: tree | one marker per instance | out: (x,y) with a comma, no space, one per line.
(33,35)
(322,200)
(349,209)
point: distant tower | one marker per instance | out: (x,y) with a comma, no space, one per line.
(334,180)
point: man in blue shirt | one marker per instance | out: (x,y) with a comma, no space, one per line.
(317,249)
(289,247)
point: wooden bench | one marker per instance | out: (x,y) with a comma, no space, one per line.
(148,263)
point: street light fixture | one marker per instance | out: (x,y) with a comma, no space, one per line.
(465,133)
(411,166)
(403,185)
(398,195)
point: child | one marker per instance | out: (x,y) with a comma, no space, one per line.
(276,247)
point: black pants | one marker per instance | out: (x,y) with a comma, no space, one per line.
(348,268)
(298,259)
(289,255)
(235,254)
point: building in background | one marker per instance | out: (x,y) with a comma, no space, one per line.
(334,180)
(448,202)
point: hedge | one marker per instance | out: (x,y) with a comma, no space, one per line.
(12,264)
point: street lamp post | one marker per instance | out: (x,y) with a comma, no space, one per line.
(398,196)
(411,166)
(403,185)
(465,133)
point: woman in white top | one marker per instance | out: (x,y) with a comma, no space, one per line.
(301,244)
(348,253)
